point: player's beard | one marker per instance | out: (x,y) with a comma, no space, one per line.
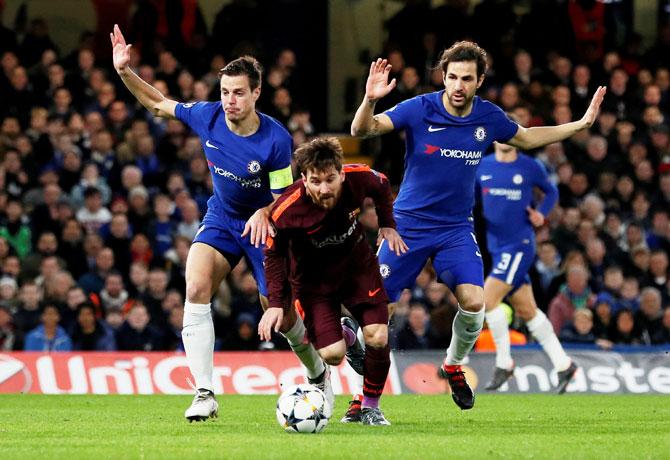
(327,201)
(460,100)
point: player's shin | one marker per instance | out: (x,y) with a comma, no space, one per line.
(497,322)
(541,329)
(198,337)
(304,350)
(465,331)
(377,364)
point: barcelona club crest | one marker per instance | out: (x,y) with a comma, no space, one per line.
(480,133)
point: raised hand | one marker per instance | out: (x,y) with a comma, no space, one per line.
(120,50)
(377,85)
(592,112)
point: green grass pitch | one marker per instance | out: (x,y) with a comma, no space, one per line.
(500,426)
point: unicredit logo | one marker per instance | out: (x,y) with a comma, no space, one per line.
(14,376)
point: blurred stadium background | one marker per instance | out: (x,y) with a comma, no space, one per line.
(99,201)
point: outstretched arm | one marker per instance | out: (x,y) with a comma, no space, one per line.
(148,96)
(366,123)
(531,138)
(276,274)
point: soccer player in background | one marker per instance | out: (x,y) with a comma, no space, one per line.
(321,259)
(505,183)
(249,156)
(447,133)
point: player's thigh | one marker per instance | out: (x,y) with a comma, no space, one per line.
(206,267)
(373,319)
(400,272)
(523,302)
(322,320)
(457,260)
(254,256)
(494,292)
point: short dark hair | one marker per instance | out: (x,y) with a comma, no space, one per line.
(245,65)
(91,191)
(464,51)
(319,154)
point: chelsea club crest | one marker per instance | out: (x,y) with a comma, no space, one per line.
(384,270)
(480,133)
(253,167)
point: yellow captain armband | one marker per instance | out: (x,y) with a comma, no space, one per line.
(281,178)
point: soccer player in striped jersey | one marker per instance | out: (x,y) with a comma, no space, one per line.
(446,134)
(505,182)
(320,259)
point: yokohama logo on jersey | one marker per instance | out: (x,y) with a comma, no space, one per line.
(246,183)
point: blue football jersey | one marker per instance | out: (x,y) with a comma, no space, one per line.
(506,190)
(245,170)
(443,152)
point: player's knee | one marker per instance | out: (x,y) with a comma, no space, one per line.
(289,321)
(525,312)
(332,357)
(198,290)
(334,354)
(377,338)
(472,305)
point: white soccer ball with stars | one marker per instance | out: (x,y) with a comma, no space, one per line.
(303,409)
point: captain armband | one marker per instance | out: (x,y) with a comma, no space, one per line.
(281,178)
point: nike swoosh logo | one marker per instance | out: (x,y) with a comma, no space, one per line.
(432,130)
(373,293)
(210,145)
(477,253)
(486,177)
(497,272)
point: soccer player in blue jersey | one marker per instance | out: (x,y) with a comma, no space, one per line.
(505,183)
(447,133)
(249,156)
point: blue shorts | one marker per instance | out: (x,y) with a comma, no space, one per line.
(222,232)
(453,250)
(510,264)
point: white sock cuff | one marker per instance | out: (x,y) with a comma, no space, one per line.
(296,334)
(197,308)
(471,313)
(497,314)
(537,320)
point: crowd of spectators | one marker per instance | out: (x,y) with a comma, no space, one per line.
(99,201)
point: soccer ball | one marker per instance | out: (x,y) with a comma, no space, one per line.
(303,409)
